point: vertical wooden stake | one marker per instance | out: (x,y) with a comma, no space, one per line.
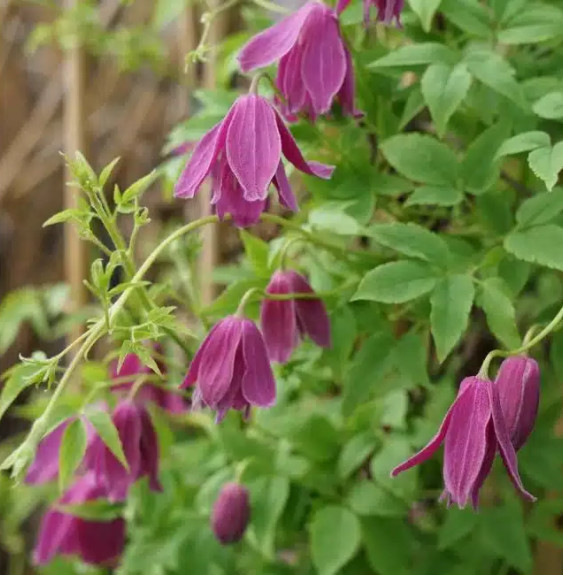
(74,140)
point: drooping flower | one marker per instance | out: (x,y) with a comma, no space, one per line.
(131,369)
(472,431)
(285,321)
(231,513)
(518,386)
(387,10)
(243,152)
(315,67)
(140,447)
(61,533)
(231,368)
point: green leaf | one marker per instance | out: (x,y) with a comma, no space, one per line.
(410,359)
(421,158)
(550,106)
(434,195)
(540,209)
(227,302)
(540,245)
(333,218)
(335,538)
(499,309)
(444,87)
(469,16)
(546,163)
(416,55)
(18,378)
(66,215)
(317,438)
(411,240)
(366,498)
(396,282)
(138,187)
(425,10)
(524,143)
(96,510)
(71,453)
(388,543)
(104,426)
(354,453)
(480,167)
(458,525)
(451,303)
(256,251)
(106,172)
(495,72)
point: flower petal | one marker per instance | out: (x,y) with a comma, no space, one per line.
(486,465)
(253,145)
(258,384)
(270,45)
(149,451)
(192,375)
(289,81)
(287,197)
(45,466)
(341,5)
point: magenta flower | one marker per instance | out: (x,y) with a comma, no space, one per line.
(387,10)
(285,321)
(244,153)
(315,67)
(232,369)
(518,386)
(140,446)
(231,513)
(132,368)
(95,542)
(472,431)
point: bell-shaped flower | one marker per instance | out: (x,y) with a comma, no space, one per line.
(472,431)
(140,447)
(387,10)
(284,322)
(232,369)
(94,541)
(131,369)
(518,386)
(231,513)
(243,152)
(315,67)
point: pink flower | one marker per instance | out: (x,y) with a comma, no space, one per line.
(231,513)
(140,446)
(132,368)
(243,152)
(231,368)
(387,10)
(285,321)
(95,542)
(472,431)
(315,67)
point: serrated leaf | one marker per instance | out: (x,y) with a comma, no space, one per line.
(540,209)
(425,10)
(335,538)
(550,106)
(71,452)
(444,87)
(18,378)
(416,55)
(104,426)
(421,158)
(396,282)
(499,310)
(546,163)
(524,143)
(451,302)
(540,245)
(435,195)
(468,15)
(411,240)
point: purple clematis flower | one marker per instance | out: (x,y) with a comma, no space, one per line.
(243,153)
(140,446)
(472,431)
(518,386)
(387,10)
(95,542)
(315,66)
(231,513)
(285,321)
(132,368)
(232,369)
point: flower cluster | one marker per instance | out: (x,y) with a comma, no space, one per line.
(487,417)
(101,475)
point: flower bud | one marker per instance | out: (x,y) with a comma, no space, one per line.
(518,384)
(231,513)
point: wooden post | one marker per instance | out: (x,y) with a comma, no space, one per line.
(76,260)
